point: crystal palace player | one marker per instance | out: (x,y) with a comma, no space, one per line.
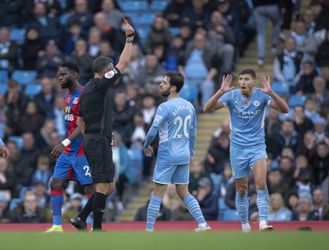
(247,150)
(72,163)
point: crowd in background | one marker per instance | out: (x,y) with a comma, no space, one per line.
(201,38)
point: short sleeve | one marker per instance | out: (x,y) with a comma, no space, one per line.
(108,79)
(225,99)
(268,100)
(160,116)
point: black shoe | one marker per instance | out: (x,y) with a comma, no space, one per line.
(78,223)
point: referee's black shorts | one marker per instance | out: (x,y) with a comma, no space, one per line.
(98,150)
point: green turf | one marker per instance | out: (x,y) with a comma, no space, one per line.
(165,241)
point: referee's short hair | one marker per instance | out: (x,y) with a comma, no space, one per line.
(248,72)
(100,63)
(176,79)
(71,66)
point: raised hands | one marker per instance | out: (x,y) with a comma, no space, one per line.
(266,84)
(129,30)
(226,83)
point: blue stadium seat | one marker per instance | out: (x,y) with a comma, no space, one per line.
(3,89)
(17,139)
(24,77)
(3,77)
(147,18)
(17,35)
(133,5)
(230,215)
(280,88)
(143,33)
(32,89)
(159,5)
(14,203)
(296,100)
(174,31)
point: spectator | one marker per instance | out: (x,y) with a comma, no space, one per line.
(123,116)
(292,202)
(43,139)
(28,211)
(278,212)
(11,13)
(276,184)
(42,173)
(196,14)
(159,34)
(49,60)
(304,210)
(4,210)
(48,26)
(31,120)
(321,162)
(304,85)
(8,50)
(46,98)
(287,64)
(217,155)
(83,59)
(321,209)
(265,10)
(15,101)
(321,94)
(286,167)
(57,114)
(302,124)
(94,39)
(174,11)
(108,32)
(112,14)
(7,180)
(207,200)
(82,15)
(196,174)
(73,35)
(31,47)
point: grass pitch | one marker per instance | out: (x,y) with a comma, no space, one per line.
(164,241)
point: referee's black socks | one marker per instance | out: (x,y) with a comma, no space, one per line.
(98,208)
(84,213)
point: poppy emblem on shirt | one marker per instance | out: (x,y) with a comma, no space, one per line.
(246,104)
(256,103)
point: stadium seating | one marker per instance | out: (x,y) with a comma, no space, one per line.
(3,89)
(18,140)
(17,35)
(280,88)
(133,5)
(189,92)
(296,100)
(3,77)
(24,77)
(32,89)
(230,215)
(159,5)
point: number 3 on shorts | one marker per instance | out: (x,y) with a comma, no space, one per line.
(87,170)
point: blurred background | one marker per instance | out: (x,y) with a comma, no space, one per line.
(204,39)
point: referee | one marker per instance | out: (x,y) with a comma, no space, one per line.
(95,119)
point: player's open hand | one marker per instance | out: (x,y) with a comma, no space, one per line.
(148,151)
(266,84)
(4,151)
(129,30)
(226,83)
(58,149)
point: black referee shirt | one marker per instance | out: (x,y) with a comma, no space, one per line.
(95,104)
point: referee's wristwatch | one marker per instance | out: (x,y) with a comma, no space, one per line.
(130,38)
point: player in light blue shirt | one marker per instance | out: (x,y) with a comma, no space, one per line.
(247,107)
(4,151)
(175,122)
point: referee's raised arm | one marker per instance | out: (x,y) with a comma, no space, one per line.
(127,50)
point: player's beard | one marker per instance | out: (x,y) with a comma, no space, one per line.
(165,93)
(67,84)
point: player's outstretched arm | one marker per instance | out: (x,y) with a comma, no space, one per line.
(277,102)
(213,104)
(127,50)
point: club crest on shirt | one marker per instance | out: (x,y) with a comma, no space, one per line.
(109,74)
(256,103)
(76,100)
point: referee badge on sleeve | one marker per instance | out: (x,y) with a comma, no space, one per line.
(109,74)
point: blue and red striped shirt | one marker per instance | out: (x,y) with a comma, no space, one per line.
(71,107)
